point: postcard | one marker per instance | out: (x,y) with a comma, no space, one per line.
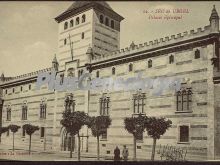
(109,81)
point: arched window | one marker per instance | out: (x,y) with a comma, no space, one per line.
(77,21)
(106,21)
(113,71)
(61,79)
(130,68)
(101,19)
(64,41)
(83,18)
(21,88)
(112,24)
(65,25)
(97,74)
(81,72)
(24,111)
(43,109)
(197,54)
(104,105)
(139,102)
(13,90)
(149,63)
(71,72)
(71,23)
(29,86)
(83,35)
(69,103)
(171,59)
(8,117)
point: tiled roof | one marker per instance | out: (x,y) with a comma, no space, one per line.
(78,4)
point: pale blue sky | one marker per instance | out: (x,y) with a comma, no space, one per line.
(28,31)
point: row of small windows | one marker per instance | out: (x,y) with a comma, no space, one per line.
(21,89)
(77,22)
(82,37)
(24,112)
(106,21)
(150,63)
(42,132)
(196,56)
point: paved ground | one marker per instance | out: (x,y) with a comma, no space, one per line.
(41,156)
(23,155)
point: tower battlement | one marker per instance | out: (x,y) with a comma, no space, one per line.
(157,43)
(27,75)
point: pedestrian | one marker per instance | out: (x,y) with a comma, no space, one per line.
(125,153)
(117,154)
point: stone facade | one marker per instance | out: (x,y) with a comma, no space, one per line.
(95,49)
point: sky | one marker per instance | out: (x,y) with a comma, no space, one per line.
(29,33)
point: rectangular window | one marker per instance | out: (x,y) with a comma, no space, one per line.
(61,79)
(23,132)
(7,133)
(184,133)
(104,134)
(140,136)
(42,131)
(8,117)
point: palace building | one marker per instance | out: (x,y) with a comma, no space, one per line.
(89,41)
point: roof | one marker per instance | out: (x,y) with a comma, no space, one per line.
(79,6)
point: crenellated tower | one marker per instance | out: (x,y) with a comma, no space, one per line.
(92,25)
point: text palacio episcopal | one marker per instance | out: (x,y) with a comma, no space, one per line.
(93,29)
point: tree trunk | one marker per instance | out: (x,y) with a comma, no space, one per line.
(135,146)
(13,141)
(30,145)
(78,147)
(71,147)
(153,149)
(98,149)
